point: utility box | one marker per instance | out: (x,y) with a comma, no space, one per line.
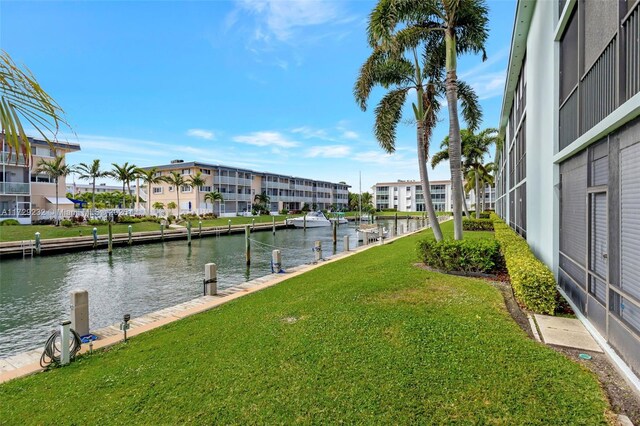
(80,311)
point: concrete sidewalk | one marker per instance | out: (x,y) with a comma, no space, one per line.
(567,332)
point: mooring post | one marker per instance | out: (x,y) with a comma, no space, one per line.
(162,231)
(95,237)
(65,335)
(110,241)
(80,311)
(189,233)
(38,243)
(318,250)
(130,237)
(247,244)
(276,261)
(199,229)
(345,243)
(335,232)
(229,226)
(304,222)
(274,225)
(210,279)
(395,221)
(253,224)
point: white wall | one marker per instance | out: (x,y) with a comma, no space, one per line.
(542,198)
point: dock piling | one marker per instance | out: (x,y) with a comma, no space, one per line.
(247,244)
(276,262)
(189,233)
(162,231)
(335,232)
(80,311)
(38,247)
(274,224)
(95,237)
(199,229)
(229,226)
(110,241)
(345,243)
(210,279)
(130,238)
(318,250)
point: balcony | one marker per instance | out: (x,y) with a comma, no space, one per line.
(11,159)
(17,188)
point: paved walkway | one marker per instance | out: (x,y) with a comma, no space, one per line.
(568,332)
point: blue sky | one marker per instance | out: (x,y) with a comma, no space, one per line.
(260,84)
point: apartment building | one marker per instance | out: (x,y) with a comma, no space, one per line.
(81,188)
(240,186)
(569,171)
(407,196)
(24,194)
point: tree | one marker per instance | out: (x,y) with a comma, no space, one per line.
(196,181)
(125,174)
(158,205)
(177,180)
(172,205)
(212,197)
(262,203)
(91,172)
(408,55)
(367,201)
(22,98)
(484,174)
(56,169)
(151,178)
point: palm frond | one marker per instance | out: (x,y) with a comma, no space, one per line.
(471,109)
(388,114)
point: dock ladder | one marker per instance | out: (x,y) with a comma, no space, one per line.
(27,247)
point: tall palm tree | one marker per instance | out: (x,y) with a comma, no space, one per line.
(262,199)
(56,169)
(149,177)
(367,201)
(212,197)
(22,98)
(125,174)
(196,181)
(409,56)
(474,148)
(91,172)
(177,180)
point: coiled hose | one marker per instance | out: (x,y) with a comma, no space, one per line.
(52,349)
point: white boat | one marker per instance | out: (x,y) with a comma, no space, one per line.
(312,219)
(371,233)
(340,218)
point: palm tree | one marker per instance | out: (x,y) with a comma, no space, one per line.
(443,155)
(172,205)
(56,169)
(212,197)
(262,200)
(125,174)
(177,180)
(150,178)
(21,97)
(91,172)
(196,181)
(367,201)
(474,148)
(409,56)
(158,205)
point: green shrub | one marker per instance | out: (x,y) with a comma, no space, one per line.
(477,224)
(9,222)
(96,222)
(468,256)
(128,219)
(533,283)
(483,215)
(66,223)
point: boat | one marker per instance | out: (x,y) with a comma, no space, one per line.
(312,219)
(340,218)
(371,232)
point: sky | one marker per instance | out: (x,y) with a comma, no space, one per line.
(260,84)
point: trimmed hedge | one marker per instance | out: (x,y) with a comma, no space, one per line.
(533,283)
(9,222)
(468,256)
(477,224)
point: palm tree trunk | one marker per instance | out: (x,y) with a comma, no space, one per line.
(426,187)
(477,194)
(149,190)
(464,201)
(178,198)
(93,199)
(455,149)
(124,200)
(129,193)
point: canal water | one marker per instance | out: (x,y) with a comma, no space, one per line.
(34,292)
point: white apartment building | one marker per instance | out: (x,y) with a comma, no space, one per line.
(407,196)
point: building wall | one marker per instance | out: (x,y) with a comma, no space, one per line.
(407,196)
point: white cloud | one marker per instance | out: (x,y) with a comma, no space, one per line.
(281,18)
(266,139)
(201,133)
(377,157)
(488,85)
(328,151)
(309,132)
(350,134)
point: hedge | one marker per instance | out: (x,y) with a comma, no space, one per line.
(477,224)
(533,283)
(468,256)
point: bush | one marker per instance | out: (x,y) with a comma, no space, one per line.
(483,215)
(66,223)
(127,219)
(96,222)
(468,256)
(389,210)
(9,222)
(77,219)
(477,224)
(533,283)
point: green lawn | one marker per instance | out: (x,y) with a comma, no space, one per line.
(27,232)
(368,339)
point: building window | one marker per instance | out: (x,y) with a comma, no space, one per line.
(205,188)
(185,188)
(186,171)
(157,190)
(157,174)
(205,171)
(38,178)
(171,189)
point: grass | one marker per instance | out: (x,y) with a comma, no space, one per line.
(368,339)
(27,232)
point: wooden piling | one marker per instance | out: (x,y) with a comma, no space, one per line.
(110,241)
(247,244)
